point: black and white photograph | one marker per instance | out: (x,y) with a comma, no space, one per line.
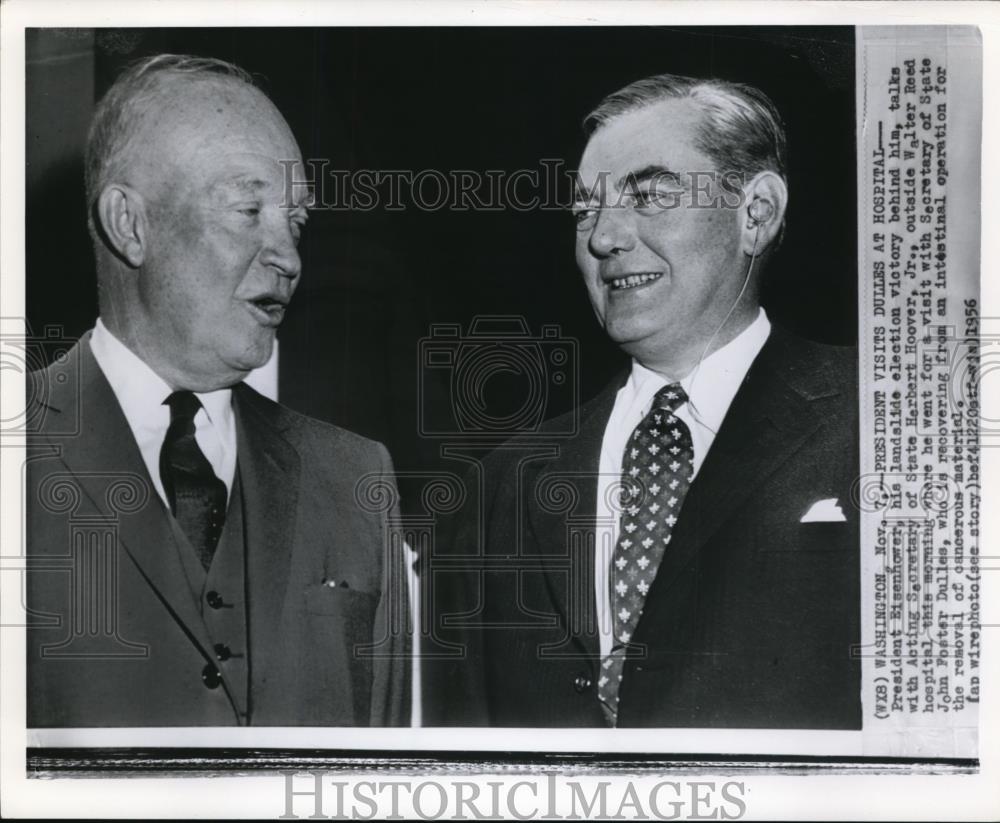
(549,398)
(292,503)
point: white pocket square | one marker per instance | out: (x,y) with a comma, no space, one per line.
(824,511)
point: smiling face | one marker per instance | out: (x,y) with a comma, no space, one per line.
(220,259)
(662,262)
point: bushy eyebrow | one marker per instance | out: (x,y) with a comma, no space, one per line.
(630,179)
(253,185)
(647,173)
(247,185)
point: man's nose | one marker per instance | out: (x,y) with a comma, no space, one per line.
(613,232)
(280,251)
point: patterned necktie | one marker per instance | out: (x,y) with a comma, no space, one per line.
(657,469)
(197,497)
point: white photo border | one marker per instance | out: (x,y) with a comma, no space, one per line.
(961,789)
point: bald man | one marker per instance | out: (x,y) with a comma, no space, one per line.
(197,552)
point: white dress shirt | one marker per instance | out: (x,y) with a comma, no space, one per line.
(141,392)
(710,389)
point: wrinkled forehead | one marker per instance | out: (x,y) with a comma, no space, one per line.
(210,132)
(660,136)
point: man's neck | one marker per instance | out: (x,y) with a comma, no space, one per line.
(178,379)
(676,365)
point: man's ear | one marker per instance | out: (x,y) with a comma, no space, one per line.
(764,204)
(121,215)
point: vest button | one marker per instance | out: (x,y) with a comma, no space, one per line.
(222,651)
(210,677)
(214,599)
(582,683)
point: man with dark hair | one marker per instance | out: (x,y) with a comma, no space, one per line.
(241,582)
(700,565)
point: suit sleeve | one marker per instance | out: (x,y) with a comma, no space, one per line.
(391,686)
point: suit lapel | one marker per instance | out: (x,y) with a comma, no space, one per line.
(576,466)
(767,422)
(104,453)
(269,469)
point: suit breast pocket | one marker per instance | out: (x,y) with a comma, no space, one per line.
(340,627)
(323,599)
(341,618)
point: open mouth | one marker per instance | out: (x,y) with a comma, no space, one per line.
(268,310)
(632,281)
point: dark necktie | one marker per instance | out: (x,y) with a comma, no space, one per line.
(197,497)
(657,469)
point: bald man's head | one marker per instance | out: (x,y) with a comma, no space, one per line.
(195,224)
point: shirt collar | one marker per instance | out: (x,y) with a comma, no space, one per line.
(139,389)
(713,384)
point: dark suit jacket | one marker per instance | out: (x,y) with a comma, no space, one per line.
(752,615)
(304,525)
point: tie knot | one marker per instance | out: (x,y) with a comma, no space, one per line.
(183,405)
(670,397)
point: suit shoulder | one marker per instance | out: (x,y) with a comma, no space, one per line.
(817,369)
(567,424)
(562,428)
(316,436)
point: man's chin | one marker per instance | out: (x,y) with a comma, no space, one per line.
(255,356)
(650,346)
(245,365)
(628,334)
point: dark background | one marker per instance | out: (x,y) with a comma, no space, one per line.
(448,98)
